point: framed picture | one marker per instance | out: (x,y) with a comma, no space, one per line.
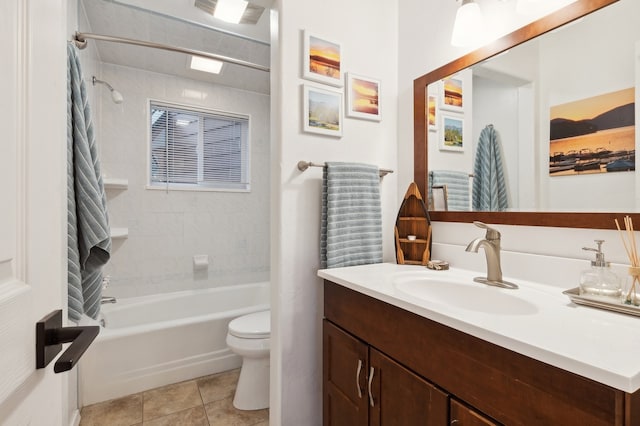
(439,202)
(322,111)
(452,96)
(451,132)
(321,60)
(432,112)
(363,97)
(585,138)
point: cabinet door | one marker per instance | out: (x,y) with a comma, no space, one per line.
(400,398)
(461,415)
(344,378)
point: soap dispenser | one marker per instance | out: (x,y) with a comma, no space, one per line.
(599,280)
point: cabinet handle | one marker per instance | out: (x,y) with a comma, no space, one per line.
(358,378)
(453,422)
(371,371)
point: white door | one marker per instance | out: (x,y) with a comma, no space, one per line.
(32,203)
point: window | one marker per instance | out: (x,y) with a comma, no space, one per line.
(198,149)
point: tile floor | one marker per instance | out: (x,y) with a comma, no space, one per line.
(206,401)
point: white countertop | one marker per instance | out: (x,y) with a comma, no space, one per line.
(535,320)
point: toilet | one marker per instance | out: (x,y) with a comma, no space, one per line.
(249,337)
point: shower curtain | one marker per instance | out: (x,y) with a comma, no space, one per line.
(489,191)
(88,239)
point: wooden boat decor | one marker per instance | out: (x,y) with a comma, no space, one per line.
(413,221)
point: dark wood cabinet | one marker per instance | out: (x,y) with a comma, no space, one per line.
(461,415)
(363,386)
(344,370)
(422,369)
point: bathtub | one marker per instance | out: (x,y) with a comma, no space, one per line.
(151,341)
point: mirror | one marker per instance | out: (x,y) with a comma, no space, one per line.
(533,81)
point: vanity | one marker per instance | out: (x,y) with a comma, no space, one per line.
(403,345)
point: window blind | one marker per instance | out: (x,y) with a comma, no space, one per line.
(198,149)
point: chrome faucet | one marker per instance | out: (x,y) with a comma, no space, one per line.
(107,299)
(491,245)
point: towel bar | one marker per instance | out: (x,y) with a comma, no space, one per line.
(304,165)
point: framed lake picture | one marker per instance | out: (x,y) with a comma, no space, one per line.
(432,112)
(363,97)
(321,60)
(452,96)
(451,131)
(322,111)
(593,135)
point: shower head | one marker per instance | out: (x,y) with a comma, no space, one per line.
(115,95)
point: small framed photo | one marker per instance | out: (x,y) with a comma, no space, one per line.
(363,97)
(321,60)
(322,111)
(439,202)
(432,112)
(451,132)
(452,96)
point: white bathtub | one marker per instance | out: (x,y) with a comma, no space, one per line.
(156,340)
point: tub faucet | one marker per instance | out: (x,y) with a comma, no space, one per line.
(107,299)
(491,245)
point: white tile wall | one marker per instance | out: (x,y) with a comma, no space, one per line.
(167,229)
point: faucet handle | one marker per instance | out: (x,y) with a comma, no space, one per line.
(492,233)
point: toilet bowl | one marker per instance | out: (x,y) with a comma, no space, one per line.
(249,337)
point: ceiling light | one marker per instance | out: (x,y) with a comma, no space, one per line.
(468,28)
(205,64)
(230,10)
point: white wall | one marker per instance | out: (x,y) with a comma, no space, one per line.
(166,229)
(368,36)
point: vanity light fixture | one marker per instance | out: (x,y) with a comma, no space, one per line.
(205,64)
(469,27)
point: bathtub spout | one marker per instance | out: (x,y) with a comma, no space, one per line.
(107,299)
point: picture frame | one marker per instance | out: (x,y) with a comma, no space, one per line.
(322,111)
(451,135)
(322,60)
(432,112)
(452,93)
(440,196)
(363,97)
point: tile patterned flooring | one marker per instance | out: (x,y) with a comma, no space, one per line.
(206,401)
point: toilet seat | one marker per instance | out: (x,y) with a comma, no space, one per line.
(252,326)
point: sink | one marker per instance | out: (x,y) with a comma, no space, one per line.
(463,293)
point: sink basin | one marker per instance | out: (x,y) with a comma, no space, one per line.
(463,293)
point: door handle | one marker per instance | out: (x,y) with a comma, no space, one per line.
(50,335)
(358,370)
(371,372)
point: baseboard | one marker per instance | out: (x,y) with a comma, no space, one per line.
(74,418)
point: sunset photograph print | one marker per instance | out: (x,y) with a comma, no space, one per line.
(323,58)
(452,92)
(593,135)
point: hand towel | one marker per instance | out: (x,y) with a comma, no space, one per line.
(351,227)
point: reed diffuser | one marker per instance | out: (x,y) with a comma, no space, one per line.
(629,243)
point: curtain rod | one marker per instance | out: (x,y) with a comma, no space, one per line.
(80,40)
(304,165)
